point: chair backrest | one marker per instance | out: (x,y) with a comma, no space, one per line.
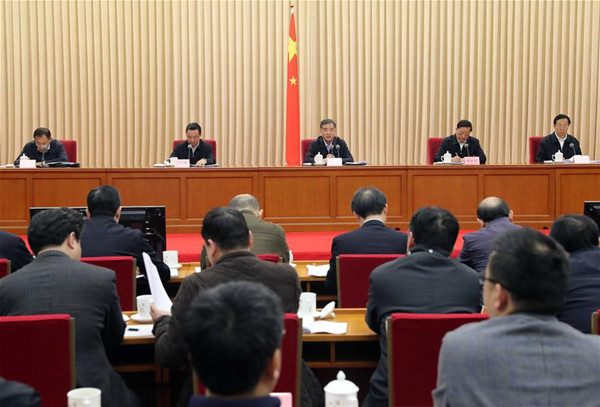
(125,267)
(304,144)
(4,267)
(39,350)
(534,144)
(291,354)
(273,258)
(433,145)
(353,272)
(414,342)
(212,143)
(596,322)
(70,149)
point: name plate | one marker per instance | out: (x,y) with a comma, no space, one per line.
(581,159)
(182,164)
(26,163)
(471,160)
(334,162)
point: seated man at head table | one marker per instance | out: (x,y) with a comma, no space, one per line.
(198,151)
(267,237)
(461,144)
(369,206)
(522,355)
(13,248)
(426,281)
(233,334)
(328,144)
(43,148)
(579,236)
(558,140)
(56,282)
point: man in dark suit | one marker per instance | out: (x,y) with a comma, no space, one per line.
(56,282)
(13,248)
(199,152)
(425,281)
(579,236)
(559,140)
(461,144)
(328,144)
(43,148)
(15,394)
(369,205)
(103,236)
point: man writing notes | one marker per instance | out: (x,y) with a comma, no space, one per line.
(199,152)
(328,144)
(559,140)
(461,144)
(43,148)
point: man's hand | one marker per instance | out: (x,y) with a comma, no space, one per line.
(456,159)
(330,156)
(155,313)
(201,162)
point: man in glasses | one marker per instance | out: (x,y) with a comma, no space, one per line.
(559,140)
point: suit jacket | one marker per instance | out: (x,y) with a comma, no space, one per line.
(318,146)
(518,360)
(203,150)
(55,284)
(583,296)
(56,153)
(550,145)
(235,266)
(102,236)
(450,144)
(477,246)
(425,281)
(266,401)
(13,248)
(15,394)
(373,237)
(267,238)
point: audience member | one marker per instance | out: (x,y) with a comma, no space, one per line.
(43,148)
(15,394)
(558,140)
(461,144)
(194,148)
(13,248)
(328,144)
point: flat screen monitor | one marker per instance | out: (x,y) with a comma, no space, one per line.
(150,220)
(592,209)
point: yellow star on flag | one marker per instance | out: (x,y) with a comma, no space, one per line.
(292,49)
(293,81)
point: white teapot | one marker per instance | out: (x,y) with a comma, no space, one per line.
(558,157)
(447,158)
(341,392)
(318,158)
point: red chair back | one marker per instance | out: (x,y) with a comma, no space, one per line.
(304,144)
(4,267)
(273,258)
(353,272)
(70,149)
(39,350)
(125,267)
(212,143)
(414,342)
(596,322)
(433,145)
(534,144)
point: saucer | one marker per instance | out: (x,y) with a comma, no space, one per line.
(137,318)
(177,266)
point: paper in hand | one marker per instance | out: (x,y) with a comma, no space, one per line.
(161,299)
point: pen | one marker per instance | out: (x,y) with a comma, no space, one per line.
(133,329)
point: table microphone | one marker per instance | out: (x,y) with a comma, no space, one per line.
(467,147)
(190,153)
(44,150)
(573,147)
(337,148)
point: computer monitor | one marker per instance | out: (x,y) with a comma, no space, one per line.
(592,209)
(150,220)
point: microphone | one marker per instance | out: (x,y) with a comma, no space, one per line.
(573,148)
(44,150)
(467,147)
(190,153)
(337,148)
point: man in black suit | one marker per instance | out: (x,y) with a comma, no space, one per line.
(199,152)
(13,248)
(15,394)
(461,144)
(559,140)
(43,148)
(103,236)
(369,205)
(56,282)
(579,236)
(328,144)
(426,281)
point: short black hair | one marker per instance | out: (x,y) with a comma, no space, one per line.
(464,123)
(560,117)
(232,331)
(52,226)
(193,126)
(327,121)
(368,201)
(434,227)
(227,228)
(42,131)
(492,208)
(575,232)
(533,268)
(103,200)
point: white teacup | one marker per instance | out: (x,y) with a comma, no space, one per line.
(171,258)
(85,396)
(308,304)
(144,302)
(318,158)
(447,158)
(558,157)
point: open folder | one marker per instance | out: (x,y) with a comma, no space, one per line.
(161,299)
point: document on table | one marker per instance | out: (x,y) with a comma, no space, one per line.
(161,299)
(311,326)
(317,271)
(133,331)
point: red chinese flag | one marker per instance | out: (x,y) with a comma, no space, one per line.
(292,133)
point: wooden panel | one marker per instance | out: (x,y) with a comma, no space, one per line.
(13,200)
(203,194)
(453,190)
(529,196)
(297,197)
(151,190)
(574,187)
(67,189)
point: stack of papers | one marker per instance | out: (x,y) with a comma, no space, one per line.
(310,326)
(133,331)
(317,271)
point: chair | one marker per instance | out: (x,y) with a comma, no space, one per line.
(596,322)
(4,267)
(125,268)
(273,258)
(212,143)
(414,342)
(304,144)
(353,272)
(291,353)
(71,149)
(433,145)
(534,144)
(39,350)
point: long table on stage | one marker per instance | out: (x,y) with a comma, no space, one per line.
(309,198)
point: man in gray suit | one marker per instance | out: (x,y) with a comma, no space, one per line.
(56,282)
(522,356)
